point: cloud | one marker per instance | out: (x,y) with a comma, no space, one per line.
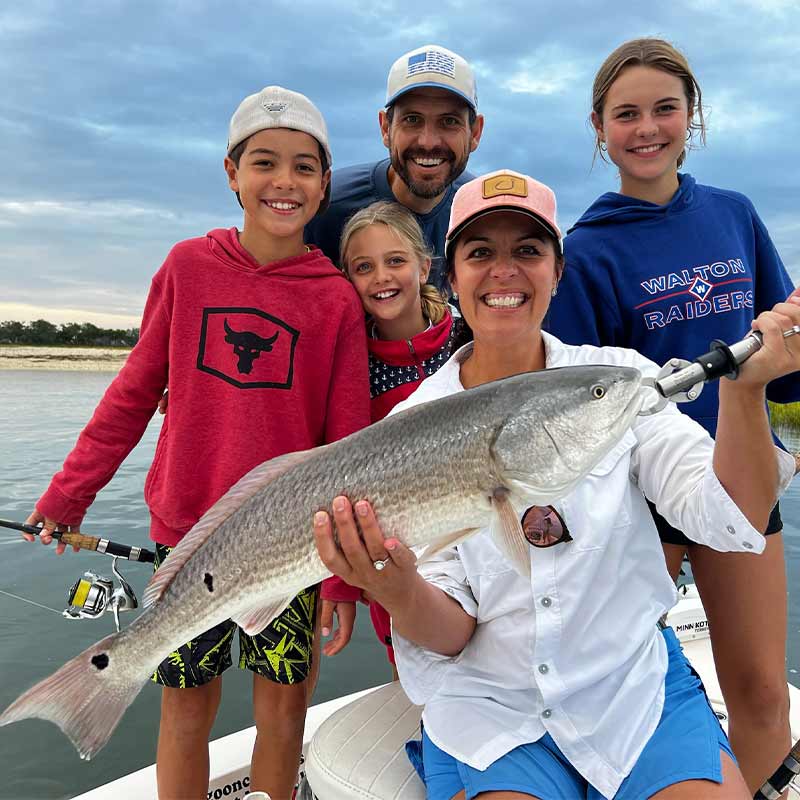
(545,73)
(734,114)
(83,212)
(114,118)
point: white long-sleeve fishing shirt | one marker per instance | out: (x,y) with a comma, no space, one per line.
(575,651)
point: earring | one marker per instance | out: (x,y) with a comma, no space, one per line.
(455,295)
(602,145)
(555,291)
(688,134)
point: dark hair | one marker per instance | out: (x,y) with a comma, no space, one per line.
(473,114)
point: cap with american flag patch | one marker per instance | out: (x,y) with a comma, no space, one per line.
(432,66)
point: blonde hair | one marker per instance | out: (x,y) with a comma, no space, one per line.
(657,54)
(400,220)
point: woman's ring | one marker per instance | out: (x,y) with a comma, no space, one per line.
(380,565)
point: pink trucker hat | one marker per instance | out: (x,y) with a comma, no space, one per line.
(503,190)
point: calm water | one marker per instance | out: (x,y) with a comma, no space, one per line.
(41,414)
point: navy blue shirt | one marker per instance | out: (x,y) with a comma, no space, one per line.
(354,188)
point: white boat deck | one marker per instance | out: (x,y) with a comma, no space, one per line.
(364,735)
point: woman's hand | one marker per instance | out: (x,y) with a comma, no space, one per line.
(354,559)
(778,356)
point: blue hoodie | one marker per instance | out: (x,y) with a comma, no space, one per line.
(667,280)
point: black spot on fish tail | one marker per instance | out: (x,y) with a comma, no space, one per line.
(100,660)
(208,580)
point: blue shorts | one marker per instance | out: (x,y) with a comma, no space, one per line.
(685,746)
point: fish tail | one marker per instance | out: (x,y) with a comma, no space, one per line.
(86,698)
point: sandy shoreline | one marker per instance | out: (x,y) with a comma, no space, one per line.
(85,359)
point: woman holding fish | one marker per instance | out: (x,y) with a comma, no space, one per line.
(534,645)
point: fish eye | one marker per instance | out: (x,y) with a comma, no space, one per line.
(598,391)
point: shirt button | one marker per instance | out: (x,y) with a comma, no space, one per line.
(730,529)
(547,713)
(748,545)
(544,669)
(547,602)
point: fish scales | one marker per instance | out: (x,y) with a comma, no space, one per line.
(439,480)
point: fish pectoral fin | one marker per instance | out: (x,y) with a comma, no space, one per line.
(231,501)
(254,620)
(451,540)
(506,533)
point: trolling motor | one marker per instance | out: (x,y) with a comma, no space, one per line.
(681,381)
(92,595)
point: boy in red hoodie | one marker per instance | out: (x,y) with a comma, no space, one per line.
(260,341)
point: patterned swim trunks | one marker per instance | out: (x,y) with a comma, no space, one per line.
(281,652)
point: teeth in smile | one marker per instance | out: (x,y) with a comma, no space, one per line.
(428,162)
(385,294)
(282,206)
(650,148)
(504,300)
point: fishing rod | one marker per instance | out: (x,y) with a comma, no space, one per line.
(92,595)
(782,778)
(84,542)
(681,381)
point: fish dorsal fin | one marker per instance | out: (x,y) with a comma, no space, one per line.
(239,493)
(451,540)
(254,620)
(507,533)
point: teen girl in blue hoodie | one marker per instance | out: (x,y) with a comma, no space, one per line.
(665,266)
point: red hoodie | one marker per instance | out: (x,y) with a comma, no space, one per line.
(259,361)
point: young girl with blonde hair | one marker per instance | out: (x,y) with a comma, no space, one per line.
(411,332)
(664,266)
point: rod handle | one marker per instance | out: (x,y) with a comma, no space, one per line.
(79,540)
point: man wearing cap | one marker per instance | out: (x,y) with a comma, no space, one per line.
(430,125)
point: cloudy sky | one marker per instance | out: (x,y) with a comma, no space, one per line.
(113,115)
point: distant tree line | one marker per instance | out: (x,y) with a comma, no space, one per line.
(41,331)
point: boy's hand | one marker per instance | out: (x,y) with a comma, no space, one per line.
(163,403)
(46,536)
(345,612)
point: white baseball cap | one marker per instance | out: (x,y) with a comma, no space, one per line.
(276,107)
(432,66)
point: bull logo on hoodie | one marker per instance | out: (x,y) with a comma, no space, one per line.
(247,348)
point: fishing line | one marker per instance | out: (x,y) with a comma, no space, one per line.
(32,602)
